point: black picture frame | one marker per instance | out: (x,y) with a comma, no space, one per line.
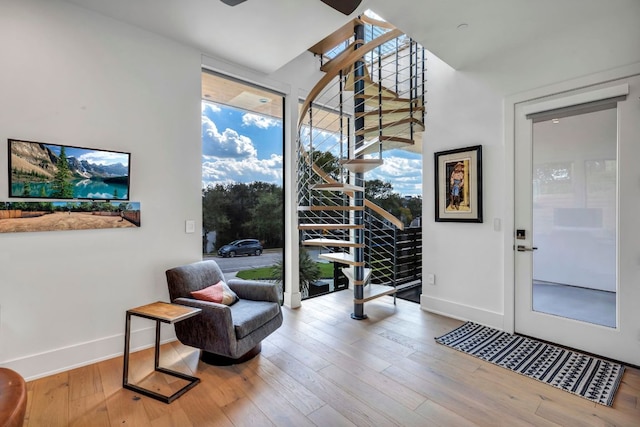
(458,185)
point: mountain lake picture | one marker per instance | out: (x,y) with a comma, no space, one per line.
(49,171)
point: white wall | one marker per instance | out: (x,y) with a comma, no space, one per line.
(73,77)
(466,258)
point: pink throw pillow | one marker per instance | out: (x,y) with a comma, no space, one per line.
(219,293)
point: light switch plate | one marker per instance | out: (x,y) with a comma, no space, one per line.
(190,226)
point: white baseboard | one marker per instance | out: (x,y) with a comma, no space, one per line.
(77,355)
(461,311)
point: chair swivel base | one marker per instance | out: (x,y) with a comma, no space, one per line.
(218,360)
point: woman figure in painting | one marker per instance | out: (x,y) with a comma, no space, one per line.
(455,184)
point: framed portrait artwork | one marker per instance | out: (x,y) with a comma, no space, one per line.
(458,189)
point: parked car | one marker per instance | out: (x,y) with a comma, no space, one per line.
(241,247)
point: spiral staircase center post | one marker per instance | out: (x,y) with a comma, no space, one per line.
(359,92)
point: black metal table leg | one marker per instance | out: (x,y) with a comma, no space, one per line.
(192,381)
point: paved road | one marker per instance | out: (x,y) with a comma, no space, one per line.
(229,265)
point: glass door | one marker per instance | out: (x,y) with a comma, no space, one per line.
(576,203)
(574,195)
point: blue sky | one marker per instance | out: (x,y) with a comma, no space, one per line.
(240,147)
(244,147)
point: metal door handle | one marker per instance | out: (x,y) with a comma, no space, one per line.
(522,248)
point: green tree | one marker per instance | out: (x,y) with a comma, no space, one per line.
(382,194)
(414,204)
(84,206)
(26,189)
(214,212)
(327,162)
(267,218)
(62,188)
(46,206)
(377,190)
(240,210)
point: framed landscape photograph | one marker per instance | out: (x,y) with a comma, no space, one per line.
(458,185)
(52,171)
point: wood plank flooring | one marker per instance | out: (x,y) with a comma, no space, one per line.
(321,368)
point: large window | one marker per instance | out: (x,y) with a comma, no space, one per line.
(242,177)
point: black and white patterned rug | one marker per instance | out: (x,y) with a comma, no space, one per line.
(590,377)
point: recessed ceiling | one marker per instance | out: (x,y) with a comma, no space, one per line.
(222,90)
(519,42)
(259,34)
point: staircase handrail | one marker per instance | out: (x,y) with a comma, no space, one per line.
(384,214)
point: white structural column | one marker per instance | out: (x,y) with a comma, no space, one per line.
(292,295)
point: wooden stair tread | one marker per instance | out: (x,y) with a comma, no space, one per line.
(372,292)
(387,112)
(373,120)
(349,272)
(337,186)
(371,88)
(338,243)
(321,226)
(388,143)
(372,102)
(398,125)
(396,139)
(334,39)
(384,98)
(390,96)
(340,257)
(361,165)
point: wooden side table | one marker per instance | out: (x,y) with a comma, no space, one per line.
(165,313)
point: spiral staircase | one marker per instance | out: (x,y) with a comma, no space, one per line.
(369,100)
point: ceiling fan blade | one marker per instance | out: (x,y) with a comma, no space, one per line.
(232,2)
(345,6)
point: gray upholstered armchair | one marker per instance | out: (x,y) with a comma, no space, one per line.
(225,334)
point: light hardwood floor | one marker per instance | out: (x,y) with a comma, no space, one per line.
(321,368)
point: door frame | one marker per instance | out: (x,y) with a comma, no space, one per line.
(509,122)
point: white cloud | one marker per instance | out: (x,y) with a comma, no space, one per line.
(105,158)
(398,167)
(226,171)
(228,144)
(261,122)
(210,108)
(405,175)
